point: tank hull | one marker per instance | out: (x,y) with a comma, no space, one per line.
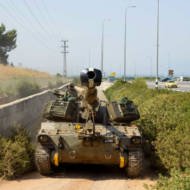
(103,148)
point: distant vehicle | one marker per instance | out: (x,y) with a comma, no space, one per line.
(112,77)
(166,79)
(171,84)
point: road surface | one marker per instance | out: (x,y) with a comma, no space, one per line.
(182,86)
(81,177)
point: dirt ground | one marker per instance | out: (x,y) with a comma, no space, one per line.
(82,177)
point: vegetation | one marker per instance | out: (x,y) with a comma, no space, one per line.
(177,181)
(7,43)
(186,78)
(16,156)
(19,82)
(76,81)
(26,88)
(165,118)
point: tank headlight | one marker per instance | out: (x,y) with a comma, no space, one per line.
(43,138)
(136,140)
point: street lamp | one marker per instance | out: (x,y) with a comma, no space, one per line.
(102,45)
(157,53)
(125,39)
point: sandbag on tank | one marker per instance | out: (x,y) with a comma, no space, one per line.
(123,111)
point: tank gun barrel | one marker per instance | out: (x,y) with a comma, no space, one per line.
(91,77)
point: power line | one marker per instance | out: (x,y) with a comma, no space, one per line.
(48,13)
(41,12)
(22,15)
(34,16)
(23,18)
(50,19)
(9,13)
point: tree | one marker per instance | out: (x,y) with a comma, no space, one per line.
(7,43)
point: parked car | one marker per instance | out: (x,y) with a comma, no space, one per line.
(166,79)
(171,84)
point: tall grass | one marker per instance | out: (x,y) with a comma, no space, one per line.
(19,82)
(8,72)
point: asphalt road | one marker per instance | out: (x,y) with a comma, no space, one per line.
(182,86)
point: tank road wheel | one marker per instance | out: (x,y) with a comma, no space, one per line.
(135,163)
(42,160)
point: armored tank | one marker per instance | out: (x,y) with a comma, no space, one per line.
(80,128)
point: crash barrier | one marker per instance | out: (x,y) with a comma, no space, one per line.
(25,112)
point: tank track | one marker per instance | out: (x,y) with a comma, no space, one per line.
(42,160)
(135,163)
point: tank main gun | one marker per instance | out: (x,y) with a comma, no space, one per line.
(90,78)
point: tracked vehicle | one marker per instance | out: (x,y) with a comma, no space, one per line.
(79,127)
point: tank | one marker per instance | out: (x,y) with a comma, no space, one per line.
(80,128)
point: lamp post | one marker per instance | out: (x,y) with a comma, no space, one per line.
(102,45)
(157,53)
(125,40)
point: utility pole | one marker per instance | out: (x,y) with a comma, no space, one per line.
(102,48)
(125,40)
(157,53)
(64,46)
(125,45)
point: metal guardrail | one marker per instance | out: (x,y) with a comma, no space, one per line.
(31,96)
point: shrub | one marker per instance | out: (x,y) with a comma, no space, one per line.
(16,156)
(26,88)
(165,118)
(177,181)
(165,122)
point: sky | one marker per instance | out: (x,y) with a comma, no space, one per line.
(42,24)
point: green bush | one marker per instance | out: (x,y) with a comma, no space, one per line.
(16,155)
(165,122)
(177,181)
(26,88)
(165,118)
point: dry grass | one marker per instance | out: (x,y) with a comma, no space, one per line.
(8,72)
(11,78)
